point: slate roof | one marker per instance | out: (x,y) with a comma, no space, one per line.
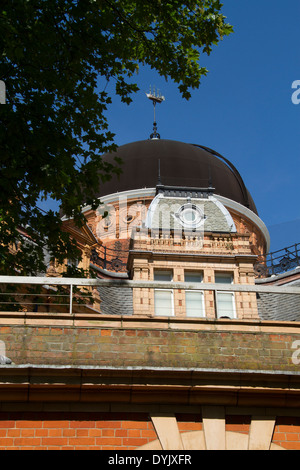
(279,307)
(116,300)
(162,210)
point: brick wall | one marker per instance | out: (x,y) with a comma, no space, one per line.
(134,342)
(116,431)
(287,433)
(74,431)
(80,431)
(201,345)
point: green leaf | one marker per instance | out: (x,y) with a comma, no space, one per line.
(58,58)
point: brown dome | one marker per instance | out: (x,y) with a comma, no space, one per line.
(180,164)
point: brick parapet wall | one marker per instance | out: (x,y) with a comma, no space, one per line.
(85,407)
(151,343)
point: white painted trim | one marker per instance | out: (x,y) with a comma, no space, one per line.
(131,194)
(225,212)
(151,210)
(110,198)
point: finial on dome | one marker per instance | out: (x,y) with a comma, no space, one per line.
(155,97)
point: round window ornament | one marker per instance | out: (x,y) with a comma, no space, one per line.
(190,216)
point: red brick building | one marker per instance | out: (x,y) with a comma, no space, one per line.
(185,341)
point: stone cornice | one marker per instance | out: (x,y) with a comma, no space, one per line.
(146,385)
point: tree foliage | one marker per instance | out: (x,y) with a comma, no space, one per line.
(57,57)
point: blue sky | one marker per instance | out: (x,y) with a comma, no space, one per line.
(243,109)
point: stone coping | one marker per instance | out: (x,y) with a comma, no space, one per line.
(97,320)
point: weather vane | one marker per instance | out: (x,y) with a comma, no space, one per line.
(155,97)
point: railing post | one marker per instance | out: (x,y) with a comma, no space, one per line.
(296,252)
(71,298)
(272,264)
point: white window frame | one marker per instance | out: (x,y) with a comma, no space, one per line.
(172,313)
(218,314)
(202,309)
(202,315)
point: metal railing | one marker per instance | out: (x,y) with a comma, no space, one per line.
(72,295)
(283,260)
(276,262)
(109,259)
(34,293)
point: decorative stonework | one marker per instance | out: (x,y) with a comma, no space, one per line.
(135,236)
(214,435)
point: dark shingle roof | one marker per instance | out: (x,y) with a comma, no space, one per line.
(279,307)
(116,301)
